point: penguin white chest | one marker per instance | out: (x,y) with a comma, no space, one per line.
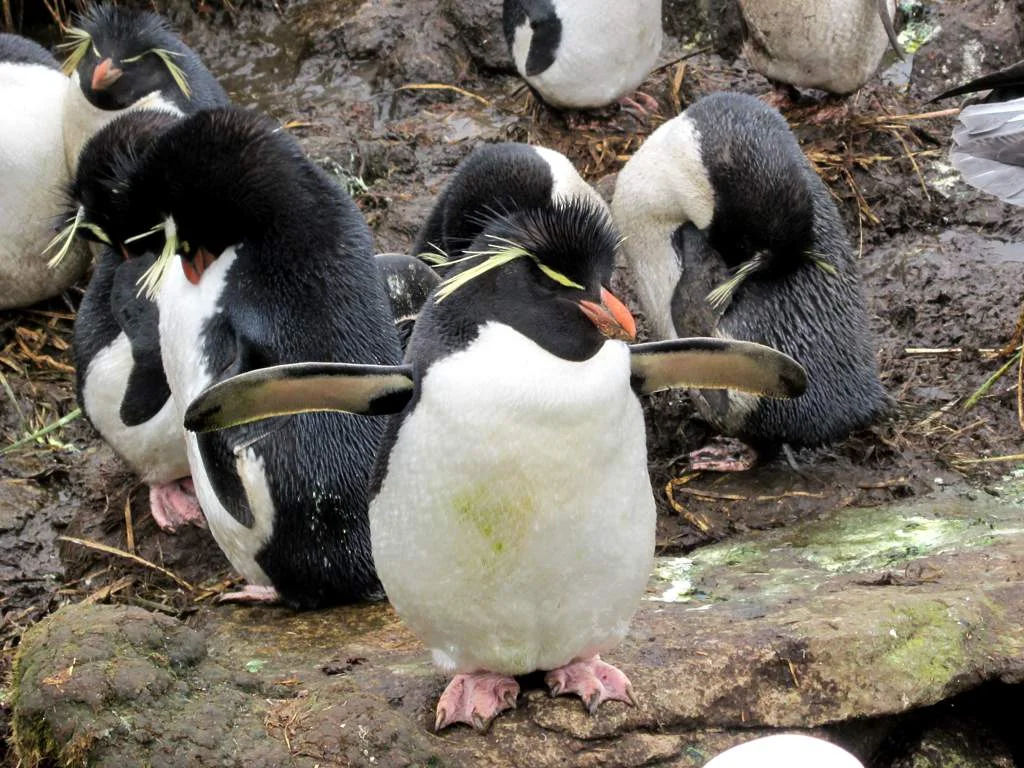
(514,529)
(34,173)
(185,311)
(155,448)
(605,50)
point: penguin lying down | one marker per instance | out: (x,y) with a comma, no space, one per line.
(512,519)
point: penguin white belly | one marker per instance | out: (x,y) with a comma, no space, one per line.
(604,52)
(33,174)
(836,46)
(185,310)
(155,448)
(83,119)
(514,529)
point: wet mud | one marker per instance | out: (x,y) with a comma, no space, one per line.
(389,97)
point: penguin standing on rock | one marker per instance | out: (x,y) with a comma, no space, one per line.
(33,174)
(581,54)
(120,58)
(988,145)
(834,45)
(121,383)
(516,471)
(267,262)
(728,231)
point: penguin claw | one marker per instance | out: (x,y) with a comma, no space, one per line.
(173,504)
(594,681)
(476,699)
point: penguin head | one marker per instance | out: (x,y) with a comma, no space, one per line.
(99,190)
(763,204)
(122,55)
(218,178)
(542,271)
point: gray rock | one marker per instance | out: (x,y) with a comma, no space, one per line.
(867,613)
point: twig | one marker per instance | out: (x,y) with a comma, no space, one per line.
(23,423)
(443,87)
(700,523)
(981,391)
(878,119)
(99,547)
(913,163)
(129,529)
(992,459)
(61,422)
(677,59)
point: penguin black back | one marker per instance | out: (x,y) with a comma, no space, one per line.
(301,285)
(105,167)
(745,171)
(493,179)
(15,49)
(127,54)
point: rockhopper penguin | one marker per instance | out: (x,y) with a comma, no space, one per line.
(269,262)
(516,470)
(121,58)
(580,54)
(121,384)
(834,45)
(33,174)
(729,232)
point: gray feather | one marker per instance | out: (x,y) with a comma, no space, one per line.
(713,363)
(282,390)
(988,148)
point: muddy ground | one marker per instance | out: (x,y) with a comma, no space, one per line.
(942,268)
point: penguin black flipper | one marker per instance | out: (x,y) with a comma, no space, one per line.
(890,30)
(369,390)
(1006,84)
(139,319)
(710,363)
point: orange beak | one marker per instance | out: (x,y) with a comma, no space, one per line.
(611,317)
(200,263)
(105,75)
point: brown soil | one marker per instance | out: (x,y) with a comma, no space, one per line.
(942,267)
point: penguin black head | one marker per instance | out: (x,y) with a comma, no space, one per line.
(222,176)
(100,186)
(123,55)
(763,203)
(541,271)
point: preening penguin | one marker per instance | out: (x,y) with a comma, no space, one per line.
(789,749)
(517,468)
(120,58)
(583,53)
(275,266)
(33,174)
(988,145)
(834,45)
(121,384)
(729,232)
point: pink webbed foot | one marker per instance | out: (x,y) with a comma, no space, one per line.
(640,103)
(251,594)
(173,504)
(724,455)
(593,681)
(476,699)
